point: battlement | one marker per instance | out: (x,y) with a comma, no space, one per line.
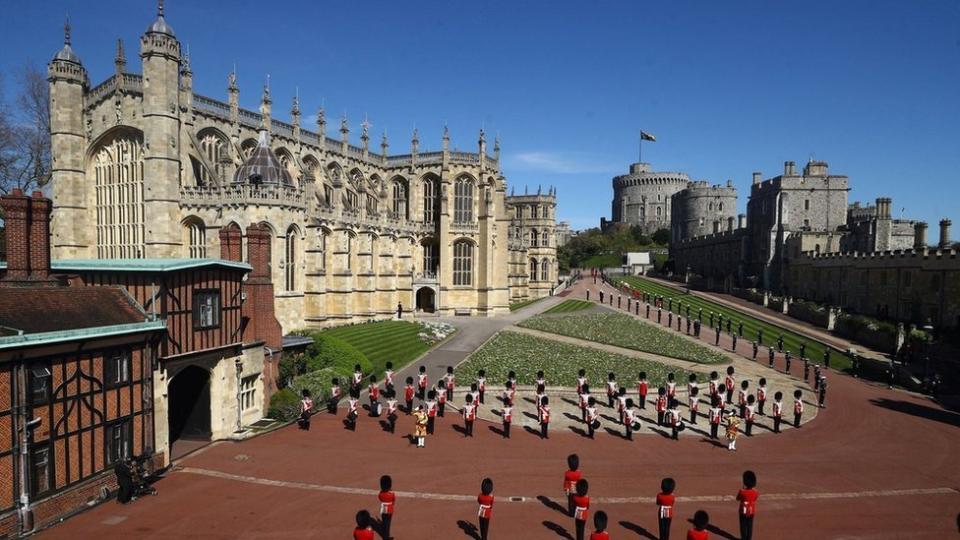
(926,253)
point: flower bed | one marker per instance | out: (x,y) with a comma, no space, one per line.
(560,362)
(625,331)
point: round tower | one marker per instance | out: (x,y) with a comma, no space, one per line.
(160,53)
(642,197)
(68,81)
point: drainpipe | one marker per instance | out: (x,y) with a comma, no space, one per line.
(26,513)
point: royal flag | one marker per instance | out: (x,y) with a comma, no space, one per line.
(644,136)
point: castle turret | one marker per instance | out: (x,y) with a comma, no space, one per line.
(160,53)
(68,81)
(233,91)
(945,233)
(920,235)
(266,106)
(322,127)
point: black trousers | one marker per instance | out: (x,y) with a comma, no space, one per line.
(449,394)
(580,525)
(590,429)
(659,418)
(610,400)
(743,410)
(643,402)
(385,520)
(393,423)
(729,395)
(409,406)
(481,395)
(629,432)
(746,527)
(713,430)
(543,430)
(664,528)
(693,417)
(468,428)
(389,391)
(506,430)
(776,424)
(332,406)
(570,506)
(440,408)
(749,428)
(796,420)
(421,393)
(484,528)
(673,431)
(760,407)
(430,422)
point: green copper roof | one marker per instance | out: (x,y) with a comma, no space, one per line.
(143,265)
(47,338)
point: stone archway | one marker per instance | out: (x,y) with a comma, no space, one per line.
(426,300)
(188,402)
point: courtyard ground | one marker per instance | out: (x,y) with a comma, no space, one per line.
(876,463)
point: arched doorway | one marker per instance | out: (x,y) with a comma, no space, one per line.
(188,399)
(426,299)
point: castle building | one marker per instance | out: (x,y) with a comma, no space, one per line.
(801,238)
(642,198)
(533,244)
(701,209)
(146,168)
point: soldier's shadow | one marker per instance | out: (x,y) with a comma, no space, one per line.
(561,532)
(469,529)
(637,529)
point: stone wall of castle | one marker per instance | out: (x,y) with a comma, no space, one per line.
(642,197)
(703,209)
(533,240)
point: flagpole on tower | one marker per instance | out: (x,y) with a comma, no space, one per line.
(640,160)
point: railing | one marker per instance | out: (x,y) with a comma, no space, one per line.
(465,157)
(425,276)
(132,81)
(211,105)
(242,193)
(282,127)
(310,137)
(101,90)
(468,227)
(250,118)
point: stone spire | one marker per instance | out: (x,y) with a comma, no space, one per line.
(66,54)
(365,133)
(322,126)
(415,141)
(496,147)
(120,61)
(383,143)
(160,25)
(295,109)
(185,63)
(446,138)
(233,96)
(344,128)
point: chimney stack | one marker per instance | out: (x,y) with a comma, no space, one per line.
(258,251)
(945,233)
(742,218)
(789,168)
(16,210)
(730,222)
(920,235)
(757,177)
(231,247)
(39,237)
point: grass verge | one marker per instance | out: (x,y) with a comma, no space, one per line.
(568,306)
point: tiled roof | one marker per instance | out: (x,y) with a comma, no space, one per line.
(262,167)
(30,310)
(143,265)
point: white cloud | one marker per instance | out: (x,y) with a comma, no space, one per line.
(555,163)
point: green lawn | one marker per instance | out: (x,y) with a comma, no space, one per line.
(610,260)
(625,331)
(570,305)
(751,326)
(560,362)
(380,342)
(519,305)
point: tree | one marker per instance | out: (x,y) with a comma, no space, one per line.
(25,134)
(662,237)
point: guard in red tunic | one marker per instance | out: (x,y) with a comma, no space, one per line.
(389,390)
(600,527)
(631,420)
(730,382)
(777,411)
(747,497)
(642,388)
(306,409)
(584,401)
(335,395)
(441,398)
(481,383)
(387,500)
(742,398)
(374,394)
(353,412)
(673,419)
(581,507)
(570,479)
(751,416)
(761,395)
(364,530)
(611,389)
(431,406)
(700,522)
(422,382)
(506,414)
(485,500)
(475,392)
(671,386)
(716,416)
(714,385)
(392,413)
(693,401)
(541,390)
(544,413)
(661,405)
(665,502)
(509,393)
(593,417)
(621,401)
(469,413)
(797,408)
(408,395)
(450,382)
(581,380)
(356,382)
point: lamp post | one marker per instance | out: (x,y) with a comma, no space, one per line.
(238,363)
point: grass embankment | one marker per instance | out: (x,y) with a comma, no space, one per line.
(522,304)
(624,331)
(382,342)
(525,354)
(568,306)
(751,325)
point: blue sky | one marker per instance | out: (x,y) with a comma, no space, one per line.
(871,86)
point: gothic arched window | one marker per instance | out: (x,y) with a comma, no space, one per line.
(400,199)
(545,239)
(196,239)
(534,238)
(290,260)
(463,200)
(545,270)
(462,262)
(533,269)
(431,199)
(214,149)
(118,179)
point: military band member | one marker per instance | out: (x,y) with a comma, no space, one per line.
(817,374)
(671,386)
(747,508)
(389,390)
(734,346)
(740,328)
(750,414)
(408,395)
(780,342)
(742,398)
(733,431)
(584,401)
(673,419)
(648,311)
(806,368)
(770,356)
(761,395)
(544,413)
(335,395)
(581,380)
(593,417)
(688,324)
(803,350)
(642,388)
(786,358)
(661,405)
(716,415)
(356,382)
(822,393)
(353,411)
(611,389)
(777,410)
(729,322)
(630,419)
(713,387)
(450,382)
(670,319)
(730,382)
(696,328)
(506,414)
(797,408)
(755,350)
(665,502)
(431,405)
(693,400)
(422,382)
(826,358)
(441,398)
(600,527)
(481,383)
(659,315)
(392,413)
(716,340)
(711,319)
(469,413)
(374,394)
(581,509)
